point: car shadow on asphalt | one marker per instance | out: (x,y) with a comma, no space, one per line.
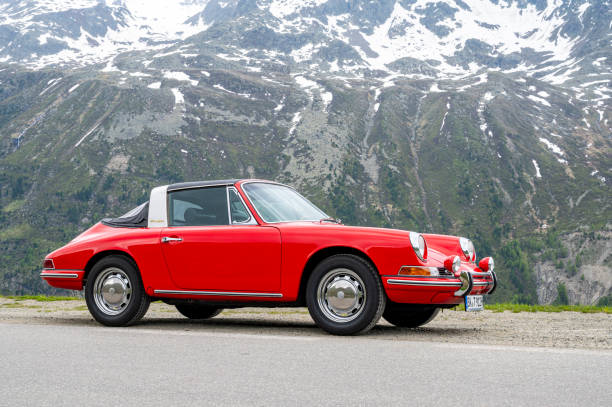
(271,326)
(279,326)
(225,322)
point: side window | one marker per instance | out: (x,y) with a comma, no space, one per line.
(198,207)
(239,212)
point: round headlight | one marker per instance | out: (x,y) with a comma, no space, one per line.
(467,247)
(418,244)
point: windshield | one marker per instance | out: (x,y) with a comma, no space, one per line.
(278,203)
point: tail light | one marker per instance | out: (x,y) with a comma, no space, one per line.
(48,264)
(487,264)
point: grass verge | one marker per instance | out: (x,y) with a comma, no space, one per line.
(586,309)
(42,298)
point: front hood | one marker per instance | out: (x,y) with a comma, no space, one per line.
(331,226)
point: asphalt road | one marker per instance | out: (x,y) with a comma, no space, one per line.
(56,365)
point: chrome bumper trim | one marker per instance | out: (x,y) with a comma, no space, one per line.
(424,282)
(480,274)
(218,293)
(58,275)
(483,283)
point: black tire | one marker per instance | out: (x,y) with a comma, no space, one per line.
(361,287)
(409,316)
(198,311)
(117,307)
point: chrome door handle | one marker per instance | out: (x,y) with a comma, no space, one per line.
(167,239)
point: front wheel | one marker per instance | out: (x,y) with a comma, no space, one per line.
(114,293)
(344,295)
(198,311)
(409,316)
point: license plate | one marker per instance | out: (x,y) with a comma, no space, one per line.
(474,303)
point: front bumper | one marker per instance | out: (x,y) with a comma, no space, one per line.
(440,289)
(69,279)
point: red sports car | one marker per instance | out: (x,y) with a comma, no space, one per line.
(205,246)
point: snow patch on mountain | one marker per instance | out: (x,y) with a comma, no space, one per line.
(537,169)
(283,8)
(311,86)
(538,100)
(180,76)
(178,96)
(220,87)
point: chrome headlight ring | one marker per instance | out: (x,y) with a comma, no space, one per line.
(418,245)
(467,247)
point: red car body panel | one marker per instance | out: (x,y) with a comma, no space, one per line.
(262,258)
(224,258)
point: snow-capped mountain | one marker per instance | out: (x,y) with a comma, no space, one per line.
(566,43)
(487,118)
(39,33)
(549,39)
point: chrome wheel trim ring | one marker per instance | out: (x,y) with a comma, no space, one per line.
(341,295)
(112,291)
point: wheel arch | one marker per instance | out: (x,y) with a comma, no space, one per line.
(321,255)
(105,253)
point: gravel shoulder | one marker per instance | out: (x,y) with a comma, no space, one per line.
(533,329)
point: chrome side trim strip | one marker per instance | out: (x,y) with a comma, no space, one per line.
(219,293)
(221,184)
(482,283)
(445,276)
(424,282)
(58,275)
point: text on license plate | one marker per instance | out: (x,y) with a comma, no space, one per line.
(474,303)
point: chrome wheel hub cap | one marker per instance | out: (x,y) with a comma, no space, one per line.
(341,295)
(112,291)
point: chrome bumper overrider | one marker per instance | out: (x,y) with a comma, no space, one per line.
(468,283)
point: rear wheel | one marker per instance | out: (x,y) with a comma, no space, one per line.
(409,316)
(114,293)
(345,295)
(197,311)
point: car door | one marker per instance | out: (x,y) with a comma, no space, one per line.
(210,245)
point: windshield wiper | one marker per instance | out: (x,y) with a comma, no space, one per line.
(338,221)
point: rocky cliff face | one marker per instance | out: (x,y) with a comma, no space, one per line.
(484,119)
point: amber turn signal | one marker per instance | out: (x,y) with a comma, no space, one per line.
(417,271)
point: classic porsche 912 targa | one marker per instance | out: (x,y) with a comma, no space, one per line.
(205,246)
